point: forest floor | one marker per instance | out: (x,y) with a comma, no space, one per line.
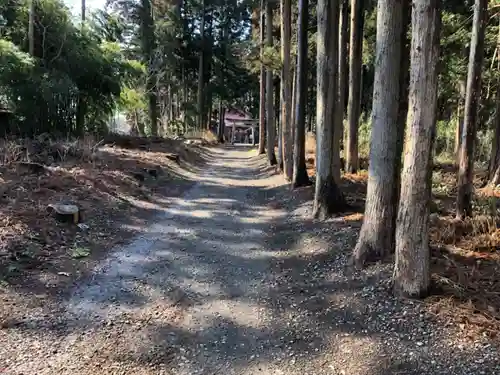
(465,256)
(119,185)
(235,277)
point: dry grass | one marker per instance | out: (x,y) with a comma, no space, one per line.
(465,254)
(118,180)
(465,257)
(206,137)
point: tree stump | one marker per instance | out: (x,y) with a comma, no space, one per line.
(67,213)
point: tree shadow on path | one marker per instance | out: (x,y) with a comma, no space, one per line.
(229,281)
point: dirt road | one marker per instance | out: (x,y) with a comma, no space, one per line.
(234,280)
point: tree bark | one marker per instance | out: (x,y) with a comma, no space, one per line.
(411,272)
(376,238)
(184,97)
(279,136)
(343,60)
(355,71)
(404,82)
(31,28)
(207,74)
(84,6)
(327,195)
(494,167)
(286,89)
(224,35)
(201,78)
(220,130)
(460,119)
(338,109)
(255,23)
(466,163)
(262,99)
(300,177)
(170,103)
(209,112)
(148,47)
(294,105)
(270,125)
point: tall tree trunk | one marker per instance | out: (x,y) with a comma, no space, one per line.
(271,129)
(404,83)
(184,75)
(255,23)
(327,196)
(153,109)
(207,75)
(411,272)
(343,60)
(84,6)
(494,163)
(148,46)
(294,105)
(222,80)
(355,71)
(220,129)
(201,76)
(494,167)
(262,99)
(209,113)
(31,29)
(184,96)
(286,89)
(460,119)
(170,112)
(277,101)
(178,26)
(466,164)
(300,177)
(338,109)
(376,238)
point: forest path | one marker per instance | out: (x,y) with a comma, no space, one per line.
(231,280)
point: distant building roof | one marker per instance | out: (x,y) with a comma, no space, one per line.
(234,114)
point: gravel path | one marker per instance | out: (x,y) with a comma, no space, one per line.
(235,279)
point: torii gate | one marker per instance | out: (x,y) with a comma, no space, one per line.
(240,119)
(245,124)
